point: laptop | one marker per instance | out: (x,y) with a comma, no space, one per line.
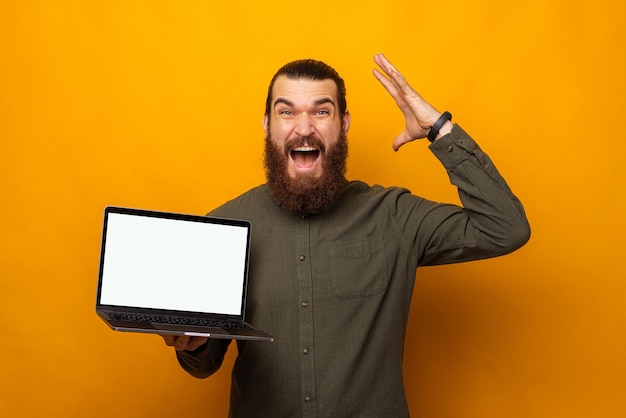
(171,273)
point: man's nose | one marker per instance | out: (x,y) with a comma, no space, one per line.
(304,125)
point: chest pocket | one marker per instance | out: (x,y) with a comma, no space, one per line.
(358,267)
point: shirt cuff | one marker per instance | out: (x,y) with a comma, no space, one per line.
(454,147)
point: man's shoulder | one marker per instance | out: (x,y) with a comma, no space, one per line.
(243,204)
(365,199)
(358,187)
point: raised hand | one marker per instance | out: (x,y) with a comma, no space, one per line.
(419,115)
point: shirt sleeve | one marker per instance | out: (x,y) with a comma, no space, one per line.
(491,221)
(205,360)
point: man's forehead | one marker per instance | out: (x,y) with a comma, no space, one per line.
(303,88)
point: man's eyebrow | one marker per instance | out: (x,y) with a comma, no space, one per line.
(317,102)
(283,101)
(325,100)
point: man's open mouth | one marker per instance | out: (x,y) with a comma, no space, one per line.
(305,156)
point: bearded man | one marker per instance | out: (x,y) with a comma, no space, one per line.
(333,262)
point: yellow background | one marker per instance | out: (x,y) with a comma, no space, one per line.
(158,104)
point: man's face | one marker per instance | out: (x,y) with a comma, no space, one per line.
(305,122)
(305,145)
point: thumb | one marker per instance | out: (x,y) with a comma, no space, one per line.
(401,139)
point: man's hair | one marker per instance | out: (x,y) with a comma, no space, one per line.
(309,69)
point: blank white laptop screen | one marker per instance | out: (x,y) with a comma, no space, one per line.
(173,264)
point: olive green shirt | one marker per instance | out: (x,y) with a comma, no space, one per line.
(334,289)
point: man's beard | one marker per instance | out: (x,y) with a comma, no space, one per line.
(306,195)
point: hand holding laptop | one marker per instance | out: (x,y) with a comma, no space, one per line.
(184,342)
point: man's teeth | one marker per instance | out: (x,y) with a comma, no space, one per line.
(304,149)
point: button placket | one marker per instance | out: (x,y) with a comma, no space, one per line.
(304,282)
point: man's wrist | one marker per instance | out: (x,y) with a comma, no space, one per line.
(445,129)
(441,126)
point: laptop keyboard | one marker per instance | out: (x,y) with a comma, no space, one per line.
(178,320)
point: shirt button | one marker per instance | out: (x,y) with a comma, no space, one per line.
(308,399)
(305,304)
(305,351)
(450,148)
(302,258)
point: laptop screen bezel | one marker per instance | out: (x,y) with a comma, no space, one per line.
(175,216)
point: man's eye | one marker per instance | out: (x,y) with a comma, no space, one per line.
(285,112)
(323,112)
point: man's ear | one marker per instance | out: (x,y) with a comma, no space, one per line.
(266,124)
(346,121)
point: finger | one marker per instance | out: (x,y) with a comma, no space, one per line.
(181,342)
(393,92)
(387,84)
(195,343)
(169,339)
(402,85)
(387,79)
(388,68)
(386,65)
